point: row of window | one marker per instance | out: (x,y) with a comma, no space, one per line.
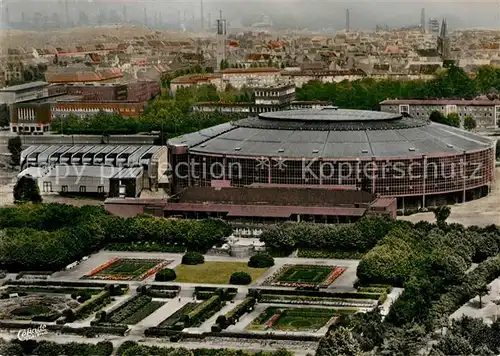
(47,187)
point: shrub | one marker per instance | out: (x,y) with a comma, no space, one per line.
(193,258)
(261,260)
(240,278)
(83,297)
(165,275)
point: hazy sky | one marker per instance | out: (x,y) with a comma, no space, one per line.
(365,14)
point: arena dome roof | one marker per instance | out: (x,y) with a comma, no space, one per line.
(331,133)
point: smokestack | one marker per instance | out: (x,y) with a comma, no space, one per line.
(66,12)
(209,20)
(201,12)
(7,16)
(145,17)
(347,20)
(422,20)
(125,13)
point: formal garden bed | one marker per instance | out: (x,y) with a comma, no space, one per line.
(295,319)
(126,269)
(327,254)
(215,272)
(304,276)
(174,321)
(133,311)
(48,303)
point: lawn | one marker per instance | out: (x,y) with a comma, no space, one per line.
(293,319)
(126,269)
(213,272)
(305,274)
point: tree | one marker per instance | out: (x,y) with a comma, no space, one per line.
(437,116)
(469,123)
(441,213)
(240,278)
(165,275)
(483,291)
(14,146)
(261,260)
(340,342)
(4,115)
(26,190)
(452,120)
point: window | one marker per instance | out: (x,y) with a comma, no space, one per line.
(83,189)
(47,187)
(64,188)
(100,189)
(404,109)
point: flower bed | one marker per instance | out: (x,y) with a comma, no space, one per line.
(272,320)
(296,276)
(127,269)
(153,270)
(103,266)
(333,276)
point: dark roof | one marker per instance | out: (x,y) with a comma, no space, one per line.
(25,86)
(459,102)
(316,134)
(273,196)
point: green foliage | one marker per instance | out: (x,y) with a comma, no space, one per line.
(262,260)
(193,258)
(360,236)
(339,342)
(48,348)
(15,147)
(202,310)
(4,115)
(367,93)
(450,120)
(26,190)
(469,123)
(442,213)
(50,236)
(165,275)
(240,278)
(243,308)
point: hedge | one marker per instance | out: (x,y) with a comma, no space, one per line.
(240,278)
(163,332)
(358,237)
(193,258)
(165,275)
(65,329)
(482,275)
(90,305)
(309,293)
(238,311)
(261,260)
(201,310)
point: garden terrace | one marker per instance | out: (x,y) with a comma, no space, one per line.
(41,301)
(295,319)
(134,310)
(215,272)
(305,276)
(127,269)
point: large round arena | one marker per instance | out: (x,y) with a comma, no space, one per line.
(420,162)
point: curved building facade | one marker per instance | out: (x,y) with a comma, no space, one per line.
(417,161)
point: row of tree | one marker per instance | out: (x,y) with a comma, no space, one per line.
(170,116)
(431,262)
(368,93)
(358,237)
(51,236)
